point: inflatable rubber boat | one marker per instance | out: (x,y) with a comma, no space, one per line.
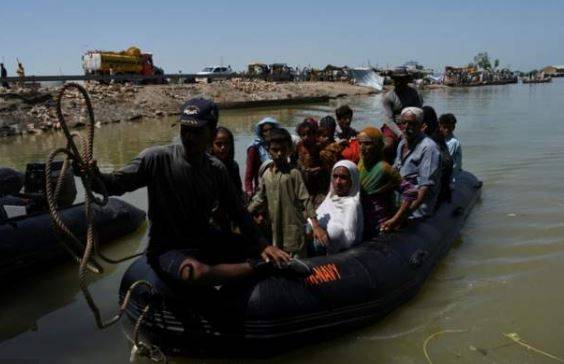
(28,242)
(262,316)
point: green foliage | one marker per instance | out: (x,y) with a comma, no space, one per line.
(483,61)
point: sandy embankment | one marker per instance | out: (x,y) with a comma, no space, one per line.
(34,112)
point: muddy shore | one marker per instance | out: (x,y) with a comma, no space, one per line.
(27,111)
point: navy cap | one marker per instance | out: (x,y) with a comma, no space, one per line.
(400,74)
(199,112)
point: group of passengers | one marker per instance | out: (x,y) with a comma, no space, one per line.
(320,192)
(331,187)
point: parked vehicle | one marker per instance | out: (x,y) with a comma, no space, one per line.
(334,73)
(128,62)
(258,71)
(209,73)
(281,72)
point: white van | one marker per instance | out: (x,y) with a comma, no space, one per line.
(218,72)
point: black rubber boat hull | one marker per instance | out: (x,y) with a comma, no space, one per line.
(264,316)
(29,242)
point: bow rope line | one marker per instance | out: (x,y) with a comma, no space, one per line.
(432,336)
(82,253)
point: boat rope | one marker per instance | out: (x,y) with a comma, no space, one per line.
(84,254)
(432,336)
(513,336)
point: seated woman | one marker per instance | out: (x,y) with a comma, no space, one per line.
(340,214)
(378,182)
(223,148)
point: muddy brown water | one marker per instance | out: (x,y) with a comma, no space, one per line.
(504,275)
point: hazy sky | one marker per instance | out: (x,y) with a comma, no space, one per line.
(50,36)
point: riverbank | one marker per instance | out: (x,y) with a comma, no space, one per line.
(33,112)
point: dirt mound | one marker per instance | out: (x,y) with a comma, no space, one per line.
(34,111)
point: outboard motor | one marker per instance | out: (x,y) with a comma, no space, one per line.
(11,181)
(34,185)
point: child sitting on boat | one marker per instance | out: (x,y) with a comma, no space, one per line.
(447,124)
(315,177)
(346,135)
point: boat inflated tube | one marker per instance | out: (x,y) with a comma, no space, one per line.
(29,242)
(265,315)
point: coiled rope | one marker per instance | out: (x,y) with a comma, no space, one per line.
(84,254)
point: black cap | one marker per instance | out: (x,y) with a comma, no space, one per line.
(400,74)
(199,112)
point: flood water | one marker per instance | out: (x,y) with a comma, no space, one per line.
(504,275)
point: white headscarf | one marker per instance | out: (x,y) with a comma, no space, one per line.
(354,192)
(342,216)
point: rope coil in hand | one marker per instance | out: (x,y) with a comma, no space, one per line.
(82,160)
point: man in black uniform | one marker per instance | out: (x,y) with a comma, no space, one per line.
(185,185)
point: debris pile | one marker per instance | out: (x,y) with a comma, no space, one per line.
(26,110)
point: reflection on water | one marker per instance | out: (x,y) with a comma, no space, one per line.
(503,275)
(36,296)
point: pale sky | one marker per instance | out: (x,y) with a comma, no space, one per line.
(50,36)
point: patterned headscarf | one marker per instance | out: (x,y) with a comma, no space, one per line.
(375,178)
(373,133)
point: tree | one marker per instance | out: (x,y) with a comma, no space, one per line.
(496,63)
(483,61)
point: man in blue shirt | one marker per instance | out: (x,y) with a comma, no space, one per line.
(418,160)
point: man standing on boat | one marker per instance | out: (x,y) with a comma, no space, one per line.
(185,186)
(394,101)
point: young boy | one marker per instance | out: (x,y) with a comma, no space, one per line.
(309,162)
(447,124)
(344,116)
(326,131)
(329,150)
(284,194)
(346,136)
